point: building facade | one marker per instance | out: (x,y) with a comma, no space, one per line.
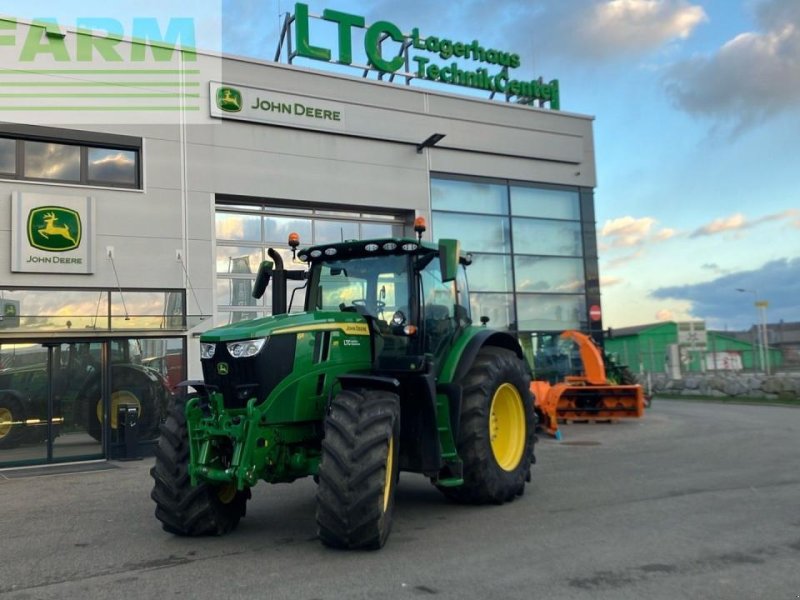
(121,241)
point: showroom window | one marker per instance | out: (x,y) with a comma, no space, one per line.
(244,233)
(526,241)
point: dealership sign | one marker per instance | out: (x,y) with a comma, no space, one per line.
(52,233)
(264,106)
(492,72)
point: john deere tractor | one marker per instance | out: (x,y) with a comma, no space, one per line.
(383,372)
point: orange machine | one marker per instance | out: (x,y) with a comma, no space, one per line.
(586,397)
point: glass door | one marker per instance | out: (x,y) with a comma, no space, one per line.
(50,402)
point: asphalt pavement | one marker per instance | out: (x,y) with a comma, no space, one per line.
(694,501)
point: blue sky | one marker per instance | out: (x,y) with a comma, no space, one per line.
(697,121)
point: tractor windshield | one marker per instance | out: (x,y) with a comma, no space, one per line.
(377,286)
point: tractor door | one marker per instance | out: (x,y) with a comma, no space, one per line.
(438,309)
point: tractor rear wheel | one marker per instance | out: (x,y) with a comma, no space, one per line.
(496,433)
(359,468)
(12,431)
(182,508)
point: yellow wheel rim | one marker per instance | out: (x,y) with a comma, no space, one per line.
(387,484)
(5,421)
(226,493)
(117,398)
(507,427)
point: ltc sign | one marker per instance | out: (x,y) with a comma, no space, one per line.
(491,75)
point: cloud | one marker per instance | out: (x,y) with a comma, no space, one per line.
(664,315)
(738,222)
(589,31)
(626,232)
(610,280)
(718,302)
(752,77)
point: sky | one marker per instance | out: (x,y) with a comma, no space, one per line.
(697,121)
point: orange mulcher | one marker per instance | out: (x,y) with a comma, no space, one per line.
(587,397)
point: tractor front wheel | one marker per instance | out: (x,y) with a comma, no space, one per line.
(182,508)
(359,468)
(496,434)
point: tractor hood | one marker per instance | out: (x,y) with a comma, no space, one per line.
(349,323)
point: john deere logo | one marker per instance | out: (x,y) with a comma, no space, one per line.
(222,368)
(54,228)
(229,99)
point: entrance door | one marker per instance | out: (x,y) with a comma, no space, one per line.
(49,395)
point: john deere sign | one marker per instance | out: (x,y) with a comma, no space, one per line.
(265,106)
(54,228)
(52,234)
(434,58)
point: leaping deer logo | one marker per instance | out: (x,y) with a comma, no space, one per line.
(51,228)
(54,228)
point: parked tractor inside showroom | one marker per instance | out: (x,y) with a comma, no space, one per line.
(383,372)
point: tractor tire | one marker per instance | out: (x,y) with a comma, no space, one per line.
(11,410)
(182,508)
(133,386)
(359,469)
(497,430)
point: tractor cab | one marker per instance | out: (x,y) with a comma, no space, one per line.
(399,286)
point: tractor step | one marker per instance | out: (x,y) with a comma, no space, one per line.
(451,474)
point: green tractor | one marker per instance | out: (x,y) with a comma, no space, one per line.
(383,372)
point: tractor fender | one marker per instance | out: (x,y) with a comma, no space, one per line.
(467,347)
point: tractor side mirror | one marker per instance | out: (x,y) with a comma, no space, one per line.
(449,251)
(262,279)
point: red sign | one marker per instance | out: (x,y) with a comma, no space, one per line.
(594,312)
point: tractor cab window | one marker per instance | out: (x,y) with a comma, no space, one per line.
(375,286)
(439,304)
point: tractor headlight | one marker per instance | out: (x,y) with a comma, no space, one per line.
(207,350)
(246,349)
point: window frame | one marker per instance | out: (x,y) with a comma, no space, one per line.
(84,140)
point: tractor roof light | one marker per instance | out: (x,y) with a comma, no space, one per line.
(410,247)
(330,251)
(294,242)
(316,253)
(389,246)
(420,227)
(371,247)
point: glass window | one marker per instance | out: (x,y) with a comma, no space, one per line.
(549,275)
(238,259)
(107,165)
(143,310)
(476,233)
(490,273)
(469,196)
(52,161)
(550,204)
(559,238)
(378,230)
(553,312)
(233,226)
(279,228)
(498,307)
(331,232)
(8,156)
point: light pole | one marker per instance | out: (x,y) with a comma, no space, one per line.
(761,328)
